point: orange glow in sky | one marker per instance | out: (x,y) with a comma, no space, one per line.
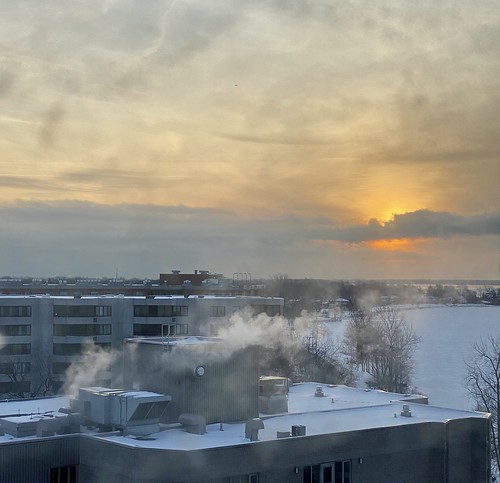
(396,244)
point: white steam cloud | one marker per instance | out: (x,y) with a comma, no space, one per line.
(85,372)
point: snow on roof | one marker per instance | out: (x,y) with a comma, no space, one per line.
(335,420)
(351,410)
(141,297)
(32,406)
(302,397)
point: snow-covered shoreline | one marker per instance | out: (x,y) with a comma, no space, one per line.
(447,332)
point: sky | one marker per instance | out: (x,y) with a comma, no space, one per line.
(337,139)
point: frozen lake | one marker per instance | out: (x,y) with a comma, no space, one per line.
(447,333)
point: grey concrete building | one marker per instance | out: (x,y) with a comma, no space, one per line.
(345,436)
(41,336)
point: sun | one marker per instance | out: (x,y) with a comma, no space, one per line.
(388,214)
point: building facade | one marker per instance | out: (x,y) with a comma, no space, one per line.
(41,336)
(346,436)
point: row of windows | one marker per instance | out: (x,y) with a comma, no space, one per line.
(160,330)
(76,349)
(13,330)
(333,472)
(15,349)
(15,368)
(15,387)
(271,310)
(82,329)
(252,478)
(160,310)
(82,310)
(139,310)
(15,311)
(64,474)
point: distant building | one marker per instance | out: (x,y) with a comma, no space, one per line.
(43,335)
(201,282)
(199,277)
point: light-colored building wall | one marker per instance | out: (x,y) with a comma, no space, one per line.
(41,336)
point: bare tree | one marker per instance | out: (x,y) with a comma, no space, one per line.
(28,379)
(43,377)
(483,385)
(382,343)
(18,374)
(320,358)
(359,338)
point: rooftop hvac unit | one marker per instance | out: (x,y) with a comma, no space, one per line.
(135,412)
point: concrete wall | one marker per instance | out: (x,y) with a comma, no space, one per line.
(414,454)
(228,391)
(31,461)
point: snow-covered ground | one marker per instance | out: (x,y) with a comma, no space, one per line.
(447,333)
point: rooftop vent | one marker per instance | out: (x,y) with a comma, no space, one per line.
(136,412)
(193,423)
(298,430)
(252,429)
(283,434)
(319,392)
(406,411)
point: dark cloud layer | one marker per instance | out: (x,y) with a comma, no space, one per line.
(418,224)
(75,237)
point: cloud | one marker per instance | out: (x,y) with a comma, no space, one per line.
(418,224)
(90,239)
(50,125)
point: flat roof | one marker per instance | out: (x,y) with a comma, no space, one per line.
(141,297)
(341,409)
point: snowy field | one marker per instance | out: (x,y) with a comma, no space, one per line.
(447,333)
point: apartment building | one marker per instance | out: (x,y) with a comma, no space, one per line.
(41,336)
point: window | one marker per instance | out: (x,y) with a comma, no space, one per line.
(15,311)
(14,330)
(147,329)
(15,349)
(60,367)
(15,368)
(15,387)
(66,349)
(271,310)
(179,310)
(77,349)
(64,474)
(333,472)
(82,310)
(159,330)
(217,311)
(103,311)
(252,478)
(160,310)
(85,330)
